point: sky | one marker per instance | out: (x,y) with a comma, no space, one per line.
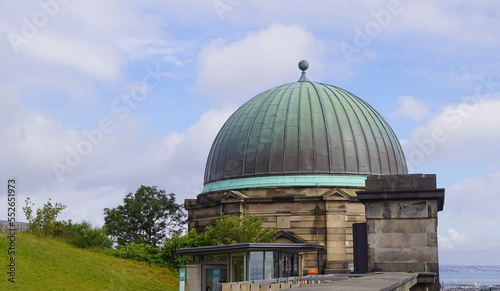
(100,97)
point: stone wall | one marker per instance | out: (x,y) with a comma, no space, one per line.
(401,214)
(402,235)
(299,214)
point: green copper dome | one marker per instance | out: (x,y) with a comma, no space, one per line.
(302,134)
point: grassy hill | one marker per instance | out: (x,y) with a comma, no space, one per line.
(47,264)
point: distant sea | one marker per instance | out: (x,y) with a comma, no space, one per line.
(484,278)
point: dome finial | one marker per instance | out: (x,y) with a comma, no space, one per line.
(303,65)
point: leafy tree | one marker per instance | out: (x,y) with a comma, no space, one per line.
(227,230)
(232,230)
(44,222)
(189,240)
(149,217)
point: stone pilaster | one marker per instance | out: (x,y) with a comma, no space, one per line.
(401,216)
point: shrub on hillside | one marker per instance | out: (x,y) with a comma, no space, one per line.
(139,252)
(85,235)
(42,221)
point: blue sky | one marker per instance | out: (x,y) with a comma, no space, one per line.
(99,97)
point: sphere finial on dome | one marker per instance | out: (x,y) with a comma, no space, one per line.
(303,65)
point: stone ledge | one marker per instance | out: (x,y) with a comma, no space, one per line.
(388,195)
(402,187)
(427,278)
(401,182)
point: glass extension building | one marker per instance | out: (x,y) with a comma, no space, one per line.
(248,261)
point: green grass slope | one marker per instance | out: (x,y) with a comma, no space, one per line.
(47,264)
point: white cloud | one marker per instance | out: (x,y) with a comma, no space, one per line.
(467,132)
(451,239)
(262,60)
(412,108)
(139,48)
(185,155)
(470,22)
(473,203)
(469,222)
(88,36)
(83,56)
(125,159)
(33,140)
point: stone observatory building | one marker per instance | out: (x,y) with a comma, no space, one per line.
(296,154)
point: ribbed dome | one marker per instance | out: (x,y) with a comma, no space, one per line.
(304,128)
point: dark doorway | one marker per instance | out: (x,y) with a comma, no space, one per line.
(360,248)
(289,265)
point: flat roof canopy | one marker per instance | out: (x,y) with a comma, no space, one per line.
(250,247)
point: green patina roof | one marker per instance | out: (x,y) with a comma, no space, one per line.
(303,128)
(286,181)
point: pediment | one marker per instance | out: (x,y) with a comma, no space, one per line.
(233,196)
(336,194)
(283,236)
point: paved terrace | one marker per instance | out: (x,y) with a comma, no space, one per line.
(375,282)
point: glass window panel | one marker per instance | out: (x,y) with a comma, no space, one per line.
(215,276)
(276,259)
(269,263)
(256,266)
(237,267)
(295,270)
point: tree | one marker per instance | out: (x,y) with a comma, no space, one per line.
(189,240)
(227,230)
(149,216)
(232,230)
(44,222)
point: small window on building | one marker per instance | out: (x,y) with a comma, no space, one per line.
(215,258)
